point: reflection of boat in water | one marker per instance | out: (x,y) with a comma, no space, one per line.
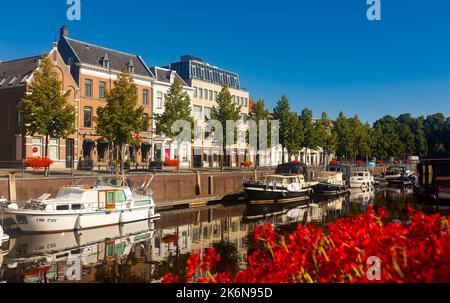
(295,213)
(364,195)
(261,211)
(84,207)
(88,246)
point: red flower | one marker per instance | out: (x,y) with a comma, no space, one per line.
(171,163)
(38,162)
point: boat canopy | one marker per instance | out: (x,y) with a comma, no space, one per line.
(292,168)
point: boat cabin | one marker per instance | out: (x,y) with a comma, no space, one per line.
(398,170)
(292,169)
(78,198)
(280,181)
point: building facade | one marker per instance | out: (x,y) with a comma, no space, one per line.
(94,69)
(15,146)
(207,81)
(164,148)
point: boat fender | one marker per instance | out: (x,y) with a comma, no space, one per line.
(13,206)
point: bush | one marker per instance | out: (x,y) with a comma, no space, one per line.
(415,252)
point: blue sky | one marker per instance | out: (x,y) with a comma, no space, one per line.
(323,54)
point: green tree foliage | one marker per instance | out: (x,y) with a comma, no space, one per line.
(260,113)
(177,107)
(121,119)
(291,132)
(46,110)
(435,129)
(342,132)
(308,126)
(226,110)
(325,135)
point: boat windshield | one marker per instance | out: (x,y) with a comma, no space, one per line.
(396,170)
(70,194)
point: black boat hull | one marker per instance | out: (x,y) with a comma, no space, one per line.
(325,189)
(259,194)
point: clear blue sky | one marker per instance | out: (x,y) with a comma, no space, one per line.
(323,54)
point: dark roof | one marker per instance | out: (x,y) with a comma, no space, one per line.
(163,75)
(12,73)
(93,55)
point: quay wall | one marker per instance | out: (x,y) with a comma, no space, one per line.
(167,188)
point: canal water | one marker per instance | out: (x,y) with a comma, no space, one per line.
(145,251)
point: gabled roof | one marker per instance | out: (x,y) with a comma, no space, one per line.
(164,74)
(92,54)
(13,73)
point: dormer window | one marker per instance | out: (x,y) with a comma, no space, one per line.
(2,81)
(12,80)
(130,67)
(105,61)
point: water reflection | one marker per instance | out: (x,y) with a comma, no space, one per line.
(145,251)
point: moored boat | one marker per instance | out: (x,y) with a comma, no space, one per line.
(330,184)
(362,178)
(400,175)
(279,189)
(4,239)
(84,207)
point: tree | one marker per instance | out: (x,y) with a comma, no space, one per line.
(177,107)
(310,136)
(435,127)
(121,119)
(226,110)
(46,110)
(291,134)
(326,138)
(258,114)
(343,135)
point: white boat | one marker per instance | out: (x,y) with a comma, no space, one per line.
(83,207)
(361,178)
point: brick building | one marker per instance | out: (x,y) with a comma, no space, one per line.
(95,69)
(15,79)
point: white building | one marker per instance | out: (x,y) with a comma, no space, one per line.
(164,148)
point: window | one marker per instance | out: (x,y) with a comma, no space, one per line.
(233,98)
(197,112)
(195,92)
(145,97)
(208,113)
(246,102)
(215,96)
(206,94)
(62,207)
(210,95)
(102,90)
(88,88)
(159,100)
(88,117)
(184,154)
(120,196)
(54,149)
(37,143)
(76,206)
(200,93)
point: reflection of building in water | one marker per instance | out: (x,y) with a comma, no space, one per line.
(76,256)
(197,237)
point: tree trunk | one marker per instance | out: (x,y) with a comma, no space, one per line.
(47,169)
(282,154)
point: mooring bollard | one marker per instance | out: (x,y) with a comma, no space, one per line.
(211,185)
(12,186)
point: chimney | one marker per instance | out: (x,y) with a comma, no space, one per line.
(64,32)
